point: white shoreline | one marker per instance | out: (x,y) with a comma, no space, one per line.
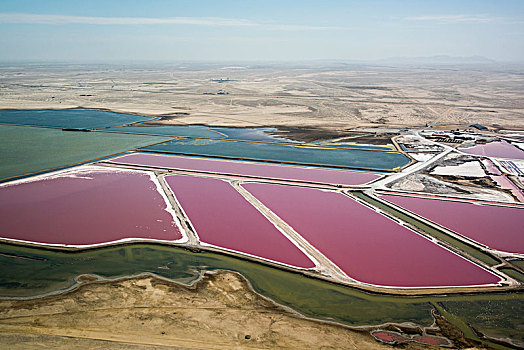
(183,241)
(90,169)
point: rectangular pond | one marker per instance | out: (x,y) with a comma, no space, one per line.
(282,153)
(26,150)
(85,206)
(273,171)
(366,245)
(71,118)
(496,227)
(222,217)
(499,149)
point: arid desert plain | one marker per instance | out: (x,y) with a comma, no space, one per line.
(323,205)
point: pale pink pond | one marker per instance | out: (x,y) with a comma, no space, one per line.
(366,245)
(223,218)
(497,227)
(283,172)
(501,149)
(492,169)
(86,206)
(507,184)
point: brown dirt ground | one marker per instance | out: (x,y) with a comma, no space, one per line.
(221,311)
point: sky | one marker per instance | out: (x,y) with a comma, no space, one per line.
(262,30)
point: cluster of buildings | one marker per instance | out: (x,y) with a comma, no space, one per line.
(455,136)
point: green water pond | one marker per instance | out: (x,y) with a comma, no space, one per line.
(32,271)
(74,119)
(26,150)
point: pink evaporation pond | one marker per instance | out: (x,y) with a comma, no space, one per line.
(492,169)
(282,172)
(367,246)
(84,207)
(223,218)
(500,149)
(497,227)
(507,184)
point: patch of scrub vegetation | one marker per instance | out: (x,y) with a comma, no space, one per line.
(484,316)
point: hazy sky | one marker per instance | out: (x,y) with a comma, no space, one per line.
(229,30)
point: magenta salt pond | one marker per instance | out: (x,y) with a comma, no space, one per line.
(497,227)
(282,172)
(223,218)
(84,206)
(366,245)
(500,149)
(492,169)
(507,184)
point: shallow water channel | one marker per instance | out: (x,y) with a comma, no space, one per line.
(29,272)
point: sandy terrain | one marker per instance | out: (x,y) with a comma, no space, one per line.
(333,97)
(219,312)
(222,312)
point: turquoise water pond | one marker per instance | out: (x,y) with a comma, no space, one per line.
(169,130)
(71,119)
(346,158)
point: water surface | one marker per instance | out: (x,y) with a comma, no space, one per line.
(29,271)
(169,130)
(74,119)
(83,206)
(253,134)
(366,245)
(500,149)
(223,217)
(282,172)
(351,145)
(37,271)
(284,153)
(497,227)
(26,150)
